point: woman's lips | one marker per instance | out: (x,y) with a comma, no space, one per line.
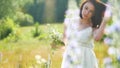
(85,16)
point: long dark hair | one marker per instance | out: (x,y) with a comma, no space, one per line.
(98,13)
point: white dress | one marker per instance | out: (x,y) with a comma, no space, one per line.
(79,47)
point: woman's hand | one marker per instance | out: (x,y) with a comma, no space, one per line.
(107,15)
(98,33)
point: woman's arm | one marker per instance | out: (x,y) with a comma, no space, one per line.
(98,33)
(66,24)
(64,34)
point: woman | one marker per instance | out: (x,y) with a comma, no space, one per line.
(80,33)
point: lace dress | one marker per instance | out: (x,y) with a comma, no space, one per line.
(79,47)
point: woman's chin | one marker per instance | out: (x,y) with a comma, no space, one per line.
(85,18)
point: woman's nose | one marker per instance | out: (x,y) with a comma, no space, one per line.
(87,12)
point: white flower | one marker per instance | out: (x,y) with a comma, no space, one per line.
(48,24)
(1,55)
(37,57)
(107,60)
(118,58)
(43,60)
(108,41)
(38,61)
(112,51)
(113,28)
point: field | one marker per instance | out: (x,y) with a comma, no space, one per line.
(30,52)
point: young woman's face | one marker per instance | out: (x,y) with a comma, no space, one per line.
(88,10)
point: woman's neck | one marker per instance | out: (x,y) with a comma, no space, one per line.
(83,21)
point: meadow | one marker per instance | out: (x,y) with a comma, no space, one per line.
(36,52)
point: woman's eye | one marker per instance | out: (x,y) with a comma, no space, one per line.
(86,7)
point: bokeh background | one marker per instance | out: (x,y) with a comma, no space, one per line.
(31,33)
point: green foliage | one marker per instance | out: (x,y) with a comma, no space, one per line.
(110,21)
(26,50)
(43,36)
(42,9)
(61,7)
(23,19)
(105,1)
(78,2)
(14,36)
(35,8)
(6,27)
(116,37)
(6,8)
(36,31)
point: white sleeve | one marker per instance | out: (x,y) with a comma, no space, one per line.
(66,21)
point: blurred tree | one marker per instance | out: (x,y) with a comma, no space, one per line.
(105,1)
(49,11)
(7,8)
(78,2)
(36,9)
(45,10)
(61,7)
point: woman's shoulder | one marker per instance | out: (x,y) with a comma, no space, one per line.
(71,21)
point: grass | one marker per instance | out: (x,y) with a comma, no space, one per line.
(21,54)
